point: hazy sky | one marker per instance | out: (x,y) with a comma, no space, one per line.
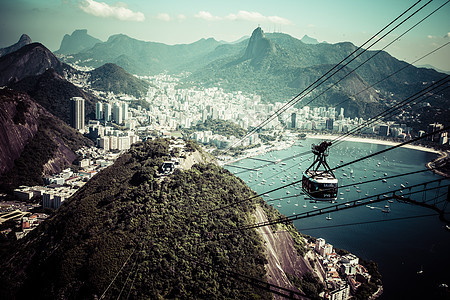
(185,21)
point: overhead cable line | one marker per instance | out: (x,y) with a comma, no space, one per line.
(255,282)
(365,89)
(404,102)
(392,74)
(312,86)
(332,208)
(364,182)
(335,168)
(379,51)
(112,281)
(369,222)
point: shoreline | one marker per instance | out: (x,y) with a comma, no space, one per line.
(372,141)
(287,144)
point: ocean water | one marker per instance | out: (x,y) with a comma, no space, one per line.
(403,242)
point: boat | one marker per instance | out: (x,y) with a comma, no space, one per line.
(391,201)
(328,217)
(386,210)
(383,180)
(421,270)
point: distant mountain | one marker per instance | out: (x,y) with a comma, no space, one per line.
(259,46)
(78,41)
(23,41)
(142,58)
(278,66)
(112,78)
(53,92)
(33,142)
(428,66)
(309,40)
(30,60)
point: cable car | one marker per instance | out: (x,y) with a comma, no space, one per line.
(320,184)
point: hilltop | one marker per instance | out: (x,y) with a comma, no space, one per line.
(161,226)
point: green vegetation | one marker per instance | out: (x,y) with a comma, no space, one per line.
(162,226)
(308,284)
(367,289)
(112,78)
(53,139)
(218,126)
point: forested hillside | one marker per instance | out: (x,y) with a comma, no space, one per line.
(160,226)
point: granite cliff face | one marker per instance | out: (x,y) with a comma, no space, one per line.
(33,142)
(18,124)
(78,41)
(30,60)
(24,40)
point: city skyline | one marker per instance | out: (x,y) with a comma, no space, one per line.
(178,22)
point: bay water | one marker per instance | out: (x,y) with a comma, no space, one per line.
(409,243)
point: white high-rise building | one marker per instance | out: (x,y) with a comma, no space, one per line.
(77,113)
(107,112)
(99,111)
(124,111)
(117,113)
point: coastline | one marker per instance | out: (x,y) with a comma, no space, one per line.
(371,141)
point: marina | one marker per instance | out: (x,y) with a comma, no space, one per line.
(371,222)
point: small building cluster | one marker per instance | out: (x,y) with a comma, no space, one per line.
(221,142)
(343,274)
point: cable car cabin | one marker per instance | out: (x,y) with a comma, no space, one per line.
(320,185)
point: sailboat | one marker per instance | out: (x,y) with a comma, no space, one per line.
(421,270)
(328,217)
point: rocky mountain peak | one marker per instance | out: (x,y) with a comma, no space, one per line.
(78,41)
(23,41)
(258,45)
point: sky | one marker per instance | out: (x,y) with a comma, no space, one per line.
(186,21)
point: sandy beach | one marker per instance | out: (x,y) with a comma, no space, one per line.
(371,141)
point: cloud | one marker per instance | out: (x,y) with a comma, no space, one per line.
(206,16)
(181,17)
(118,11)
(243,15)
(447,35)
(430,37)
(163,17)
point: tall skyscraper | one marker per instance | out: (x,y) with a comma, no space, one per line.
(107,112)
(124,111)
(77,113)
(99,111)
(293,120)
(117,113)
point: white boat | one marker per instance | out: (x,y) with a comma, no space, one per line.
(329,217)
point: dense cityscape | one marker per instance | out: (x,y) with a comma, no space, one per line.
(232,150)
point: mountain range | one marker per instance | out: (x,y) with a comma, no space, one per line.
(35,138)
(78,41)
(276,66)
